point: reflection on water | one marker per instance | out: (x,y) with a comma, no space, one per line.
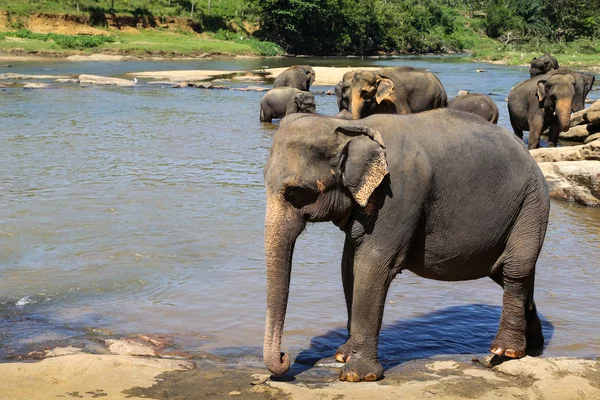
(141,210)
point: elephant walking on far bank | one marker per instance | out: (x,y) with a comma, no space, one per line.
(546,101)
(410,199)
(476,103)
(296,76)
(542,65)
(399,90)
(281,101)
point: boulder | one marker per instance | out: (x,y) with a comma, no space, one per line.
(102,80)
(67,80)
(590,151)
(591,138)
(574,181)
(587,116)
(578,118)
(33,85)
(593,117)
(579,133)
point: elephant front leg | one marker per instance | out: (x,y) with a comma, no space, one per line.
(371,284)
(536,126)
(554,133)
(344,350)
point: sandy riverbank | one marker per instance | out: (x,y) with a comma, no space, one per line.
(70,373)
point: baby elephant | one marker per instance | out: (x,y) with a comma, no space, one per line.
(281,101)
(475,103)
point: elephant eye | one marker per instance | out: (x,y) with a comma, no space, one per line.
(300,196)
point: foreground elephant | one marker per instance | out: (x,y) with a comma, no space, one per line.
(546,101)
(476,103)
(405,89)
(296,76)
(463,205)
(281,101)
(542,65)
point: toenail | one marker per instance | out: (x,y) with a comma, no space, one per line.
(353,377)
(371,377)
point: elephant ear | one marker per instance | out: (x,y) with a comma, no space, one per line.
(363,162)
(311,75)
(541,90)
(385,88)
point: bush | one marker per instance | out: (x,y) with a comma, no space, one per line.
(65,41)
(264,48)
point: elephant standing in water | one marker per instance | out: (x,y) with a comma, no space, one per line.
(546,101)
(296,76)
(463,205)
(281,101)
(542,65)
(400,90)
(476,103)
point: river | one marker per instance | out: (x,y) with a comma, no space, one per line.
(140,210)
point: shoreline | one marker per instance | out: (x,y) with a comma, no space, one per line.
(135,368)
(19,55)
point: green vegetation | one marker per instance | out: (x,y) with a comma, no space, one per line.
(510,30)
(227,9)
(145,42)
(63,41)
(371,26)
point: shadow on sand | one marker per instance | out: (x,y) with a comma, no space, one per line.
(467,329)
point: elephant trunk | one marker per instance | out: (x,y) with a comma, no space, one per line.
(356,103)
(282,227)
(563,112)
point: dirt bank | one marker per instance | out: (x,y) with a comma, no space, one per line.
(88,24)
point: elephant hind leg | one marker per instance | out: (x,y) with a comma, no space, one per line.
(520,329)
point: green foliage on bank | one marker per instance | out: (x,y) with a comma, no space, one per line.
(63,41)
(372,26)
(488,28)
(263,48)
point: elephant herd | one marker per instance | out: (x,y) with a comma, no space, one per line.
(466,204)
(545,101)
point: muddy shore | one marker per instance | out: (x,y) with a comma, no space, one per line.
(120,374)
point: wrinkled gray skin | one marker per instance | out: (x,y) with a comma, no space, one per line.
(403,90)
(542,65)
(463,205)
(476,103)
(296,76)
(279,102)
(546,101)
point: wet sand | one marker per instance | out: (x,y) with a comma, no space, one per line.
(70,373)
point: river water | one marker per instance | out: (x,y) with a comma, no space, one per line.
(140,210)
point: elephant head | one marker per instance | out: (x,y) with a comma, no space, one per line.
(316,171)
(556,93)
(305,102)
(542,65)
(366,87)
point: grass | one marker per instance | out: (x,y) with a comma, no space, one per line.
(170,8)
(578,54)
(147,41)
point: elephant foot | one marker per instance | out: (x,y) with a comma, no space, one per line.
(507,349)
(358,370)
(343,352)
